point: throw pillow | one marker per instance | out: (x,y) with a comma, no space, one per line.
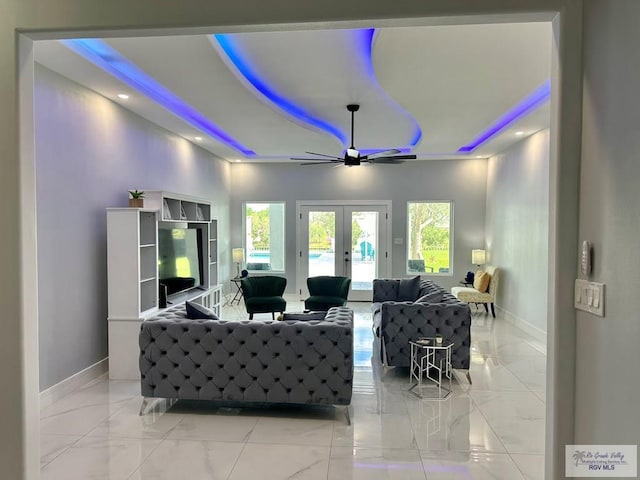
(409,289)
(433,297)
(304,316)
(195,311)
(481,282)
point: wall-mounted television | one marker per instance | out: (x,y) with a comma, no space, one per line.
(180,253)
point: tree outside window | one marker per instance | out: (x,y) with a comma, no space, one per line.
(264,236)
(429,237)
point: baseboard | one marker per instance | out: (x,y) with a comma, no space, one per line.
(535,332)
(74,382)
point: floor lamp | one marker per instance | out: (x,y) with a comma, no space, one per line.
(238,258)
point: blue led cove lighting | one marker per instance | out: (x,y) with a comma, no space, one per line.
(233,51)
(362,39)
(111,61)
(534,100)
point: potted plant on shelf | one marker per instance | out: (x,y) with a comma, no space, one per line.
(137,199)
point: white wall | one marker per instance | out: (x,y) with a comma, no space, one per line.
(608,349)
(518,228)
(463,181)
(89,153)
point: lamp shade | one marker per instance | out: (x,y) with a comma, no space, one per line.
(238,255)
(478,257)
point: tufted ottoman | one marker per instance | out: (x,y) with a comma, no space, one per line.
(299,362)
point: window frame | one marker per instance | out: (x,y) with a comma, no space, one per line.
(284,235)
(449,273)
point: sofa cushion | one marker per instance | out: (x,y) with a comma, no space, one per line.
(481,281)
(303,316)
(408,289)
(196,311)
(433,297)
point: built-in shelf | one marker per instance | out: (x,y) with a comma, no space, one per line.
(133,283)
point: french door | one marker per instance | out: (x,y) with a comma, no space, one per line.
(343,240)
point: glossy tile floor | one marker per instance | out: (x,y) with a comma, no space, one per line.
(493,429)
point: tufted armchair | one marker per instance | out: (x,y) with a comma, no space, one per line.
(326,292)
(264,294)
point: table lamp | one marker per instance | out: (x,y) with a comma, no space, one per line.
(478,257)
(238,258)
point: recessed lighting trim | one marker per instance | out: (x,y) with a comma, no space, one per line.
(197,139)
(123,96)
(519,132)
(539,96)
(113,62)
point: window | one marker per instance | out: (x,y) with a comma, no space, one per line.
(429,237)
(264,237)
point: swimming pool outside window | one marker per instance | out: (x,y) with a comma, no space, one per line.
(264,236)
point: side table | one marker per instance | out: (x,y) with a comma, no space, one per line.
(432,361)
(237,281)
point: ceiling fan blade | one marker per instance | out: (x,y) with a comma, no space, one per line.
(383,153)
(335,162)
(396,159)
(323,155)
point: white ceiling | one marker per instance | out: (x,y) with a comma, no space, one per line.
(451,82)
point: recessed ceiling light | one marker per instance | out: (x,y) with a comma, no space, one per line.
(520,133)
(197,139)
(123,96)
(478,156)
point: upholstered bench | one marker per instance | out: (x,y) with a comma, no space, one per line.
(267,361)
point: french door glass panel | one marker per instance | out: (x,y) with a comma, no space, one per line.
(344,241)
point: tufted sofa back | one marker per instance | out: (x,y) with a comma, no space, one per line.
(256,361)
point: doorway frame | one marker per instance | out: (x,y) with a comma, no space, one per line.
(565,158)
(300,285)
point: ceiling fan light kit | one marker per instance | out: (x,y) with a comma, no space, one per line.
(352,155)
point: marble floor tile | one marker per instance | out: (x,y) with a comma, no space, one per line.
(189,459)
(99,458)
(347,463)
(531,371)
(531,466)
(520,435)
(453,424)
(527,348)
(371,430)
(476,466)
(127,422)
(493,428)
(53,445)
(486,374)
(515,405)
(215,427)
(296,431)
(77,420)
(280,462)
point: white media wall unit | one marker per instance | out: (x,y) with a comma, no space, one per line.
(136,243)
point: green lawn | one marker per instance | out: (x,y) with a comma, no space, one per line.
(436,259)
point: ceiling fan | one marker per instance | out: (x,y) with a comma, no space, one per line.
(352,156)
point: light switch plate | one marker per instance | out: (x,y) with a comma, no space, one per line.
(589,297)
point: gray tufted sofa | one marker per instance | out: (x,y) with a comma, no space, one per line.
(395,323)
(302,362)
